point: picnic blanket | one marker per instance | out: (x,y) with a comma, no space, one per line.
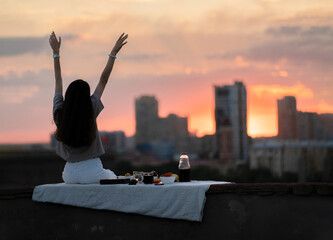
(176,201)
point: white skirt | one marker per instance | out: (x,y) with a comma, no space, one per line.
(88,171)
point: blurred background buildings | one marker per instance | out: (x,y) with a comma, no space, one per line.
(170,135)
(293,124)
(162,137)
(303,147)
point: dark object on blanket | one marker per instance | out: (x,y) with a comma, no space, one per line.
(133,182)
(114,181)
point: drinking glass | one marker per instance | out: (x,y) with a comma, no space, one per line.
(148,178)
(138,176)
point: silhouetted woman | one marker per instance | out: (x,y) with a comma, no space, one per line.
(75,116)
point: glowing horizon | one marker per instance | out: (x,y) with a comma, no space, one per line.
(257,126)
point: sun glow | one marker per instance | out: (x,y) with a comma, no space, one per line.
(262,125)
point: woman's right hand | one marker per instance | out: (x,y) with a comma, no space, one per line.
(54,43)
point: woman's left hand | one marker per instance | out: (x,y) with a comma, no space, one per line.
(54,43)
(119,44)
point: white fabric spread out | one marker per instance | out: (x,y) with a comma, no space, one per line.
(176,201)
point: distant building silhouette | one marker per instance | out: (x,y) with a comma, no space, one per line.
(208,146)
(325,122)
(174,129)
(307,159)
(53,141)
(293,124)
(230,122)
(287,118)
(226,139)
(308,126)
(115,141)
(154,134)
(112,141)
(146,119)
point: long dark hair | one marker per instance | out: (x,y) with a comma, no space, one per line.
(75,122)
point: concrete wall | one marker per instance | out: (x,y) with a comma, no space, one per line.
(238,211)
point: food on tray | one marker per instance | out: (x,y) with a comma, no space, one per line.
(157,180)
(127,174)
(176,177)
(169,174)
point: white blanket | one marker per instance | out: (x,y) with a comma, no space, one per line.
(176,201)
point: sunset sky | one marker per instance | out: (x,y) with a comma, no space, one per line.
(177,51)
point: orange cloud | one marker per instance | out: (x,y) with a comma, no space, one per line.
(277,91)
(283,73)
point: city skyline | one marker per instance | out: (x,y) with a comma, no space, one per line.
(175,52)
(173,112)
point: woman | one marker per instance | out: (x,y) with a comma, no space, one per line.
(75,116)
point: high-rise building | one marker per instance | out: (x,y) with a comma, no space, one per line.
(325,122)
(308,126)
(287,118)
(226,147)
(153,131)
(293,124)
(208,146)
(146,118)
(115,140)
(175,129)
(231,108)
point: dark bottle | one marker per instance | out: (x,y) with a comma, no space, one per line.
(184,168)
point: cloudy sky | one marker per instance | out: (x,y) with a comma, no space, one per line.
(177,51)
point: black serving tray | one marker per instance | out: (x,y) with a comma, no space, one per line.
(114,181)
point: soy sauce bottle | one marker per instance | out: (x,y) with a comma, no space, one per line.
(184,168)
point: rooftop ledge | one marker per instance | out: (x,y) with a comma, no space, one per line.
(232,211)
(261,189)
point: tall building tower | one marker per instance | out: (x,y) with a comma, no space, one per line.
(308,126)
(225,148)
(146,118)
(287,118)
(231,108)
(176,131)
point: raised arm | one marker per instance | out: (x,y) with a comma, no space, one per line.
(55,45)
(109,65)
